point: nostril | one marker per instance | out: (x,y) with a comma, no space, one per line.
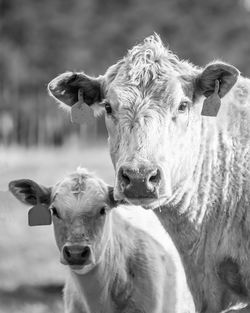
(76,255)
(125,178)
(85,253)
(155,177)
(66,252)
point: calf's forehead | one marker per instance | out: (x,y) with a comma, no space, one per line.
(78,194)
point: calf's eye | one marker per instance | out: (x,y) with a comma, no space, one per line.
(54,212)
(103,211)
(183,106)
(108,108)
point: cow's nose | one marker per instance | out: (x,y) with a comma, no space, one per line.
(140,182)
(76,254)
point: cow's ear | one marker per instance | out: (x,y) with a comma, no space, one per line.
(29,192)
(224,73)
(65,87)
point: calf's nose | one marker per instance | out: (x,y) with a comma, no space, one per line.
(140,182)
(76,254)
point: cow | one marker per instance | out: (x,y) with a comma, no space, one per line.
(172,154)
(114,266)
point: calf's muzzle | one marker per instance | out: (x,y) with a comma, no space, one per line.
(76,254)
(139,183)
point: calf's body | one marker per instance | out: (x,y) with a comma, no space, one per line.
(132,276)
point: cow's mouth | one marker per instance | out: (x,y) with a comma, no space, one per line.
(82,269)
(146,203)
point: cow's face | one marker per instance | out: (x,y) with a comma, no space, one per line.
(80,207)
(153,105)
(153,131)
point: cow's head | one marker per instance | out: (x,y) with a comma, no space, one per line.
(153,104)
(80,205)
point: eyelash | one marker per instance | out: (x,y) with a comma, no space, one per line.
(108,108)
(183,106)
(55,213)
(102,211)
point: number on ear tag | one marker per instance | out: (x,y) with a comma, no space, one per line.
(39,215)
(81,113)
(211,104)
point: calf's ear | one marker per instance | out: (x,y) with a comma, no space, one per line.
(226,74)
(29,192)
(65,88)
(112,202)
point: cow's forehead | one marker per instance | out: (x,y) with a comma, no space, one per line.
(148,69)
(151,60)
(166,93)
(79,193)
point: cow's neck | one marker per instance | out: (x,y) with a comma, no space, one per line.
(99,287)
(184,214)
(185,236)
(93,289)
(184,220)
(216,200)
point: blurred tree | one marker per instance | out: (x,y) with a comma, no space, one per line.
(40,39)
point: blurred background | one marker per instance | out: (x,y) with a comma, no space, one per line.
(40,39)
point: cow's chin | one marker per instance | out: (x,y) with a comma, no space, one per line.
(148,204)
(82,269)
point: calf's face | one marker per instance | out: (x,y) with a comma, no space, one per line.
(153,104)
(80,206)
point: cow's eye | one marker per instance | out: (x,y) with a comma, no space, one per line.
(108,108)
(103,211)
(55,212)
(183,106)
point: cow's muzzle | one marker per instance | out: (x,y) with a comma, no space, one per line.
(139,183)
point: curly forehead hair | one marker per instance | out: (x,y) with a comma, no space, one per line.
(76,183)
(149,61)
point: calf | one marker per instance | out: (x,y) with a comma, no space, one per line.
(113,265)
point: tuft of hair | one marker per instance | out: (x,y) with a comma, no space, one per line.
(79,182)
(98,109)
(62,105)
(151,60)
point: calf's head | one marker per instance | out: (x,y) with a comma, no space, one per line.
(152,103)
(80,205)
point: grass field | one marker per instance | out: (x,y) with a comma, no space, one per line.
(31,277)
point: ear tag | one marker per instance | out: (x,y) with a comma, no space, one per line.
(39,215)
(81,113)
(211,104)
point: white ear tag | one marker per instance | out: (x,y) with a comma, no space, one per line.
(81,113)
(211,104)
